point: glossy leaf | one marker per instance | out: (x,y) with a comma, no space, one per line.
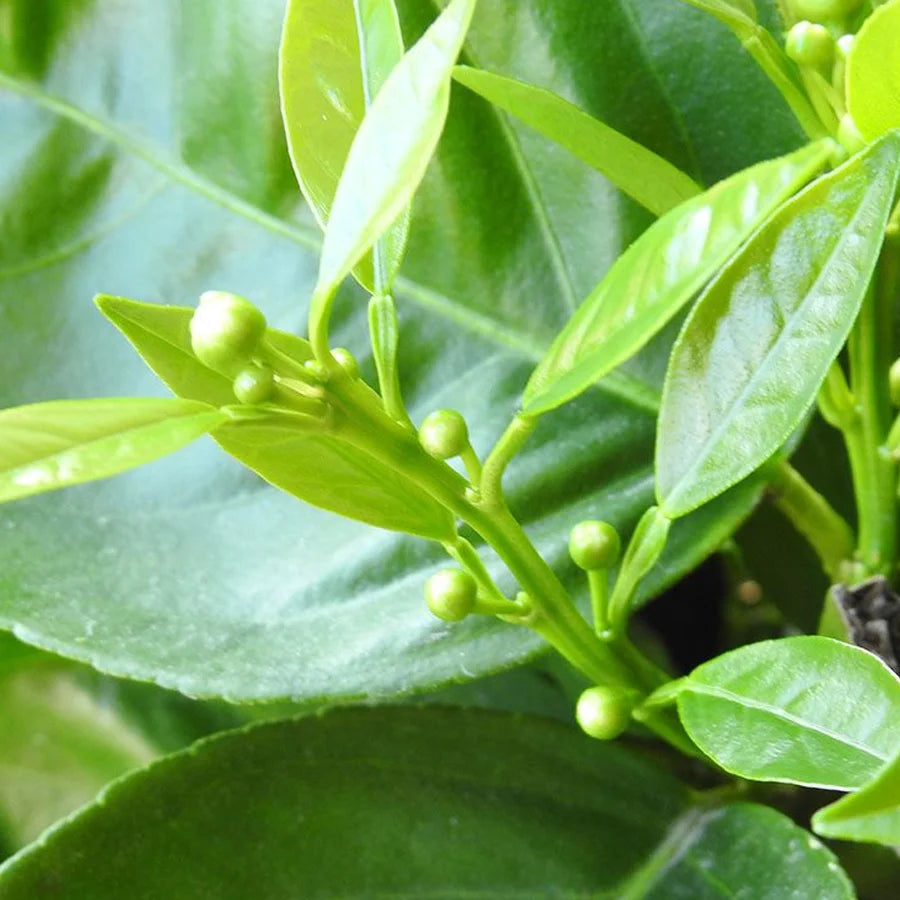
(750,358)
(195,573)
(870,814)
(873,73)
(47,446)
(805,710)
(334,59)
(392,148)
(651,180)
(317,468)
(660,272)
(326,820)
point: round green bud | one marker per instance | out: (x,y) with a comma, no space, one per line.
(226,331)
(894,382)
(603,712)
(255,384)
(451,594)
(347,361)
(594,545)
(810,44)
(848,135)
(824,10)
(444,434)
(844,45)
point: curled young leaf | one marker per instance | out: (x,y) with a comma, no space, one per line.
(804,710)
(334,58)
(660,272)
(649,179)
(47,446)
(755,349)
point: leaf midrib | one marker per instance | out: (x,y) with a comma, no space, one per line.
(619,384)
(777,712)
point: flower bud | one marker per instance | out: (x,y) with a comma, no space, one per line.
(603,712)
(810,44)
(444,434)
(894,382)
(347,361)
(594,545)
(226,331)
(255,384)
(451,594)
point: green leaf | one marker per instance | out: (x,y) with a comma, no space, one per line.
(391,150)
(317,468)
(58,747)
(751,356)
(334,59)
(47,446)
(737,14)
(805,710)
(873,73)
(325,819)
(635,170)
(195,573)
(660,272)
(870,814)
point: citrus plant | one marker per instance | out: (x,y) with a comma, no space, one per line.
(571,299)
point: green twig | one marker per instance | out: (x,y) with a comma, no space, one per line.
(511,441)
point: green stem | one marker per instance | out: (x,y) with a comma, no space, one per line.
(598,581)
(511,441)
(814,517)
(473,465)
(553,614)
(467,556)
(384,333)
(873,471)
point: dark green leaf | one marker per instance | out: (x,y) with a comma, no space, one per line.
(334,58)
(752,355)
(318,808)
(873,73)
(47,446)
(635,170)
(195,573)
(660,272)
(806,710)
(315,467)
(870,814)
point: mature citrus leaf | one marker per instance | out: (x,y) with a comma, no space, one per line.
(297,809)
(193,571)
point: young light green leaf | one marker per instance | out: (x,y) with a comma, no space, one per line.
(334,58)
(873,73)
(870,814)
(737,14)
(804,710)
(334,475)
(326,820)
(389,154)
(651,180)
(47,446)
(660,272)
(752,354)
(316,467)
